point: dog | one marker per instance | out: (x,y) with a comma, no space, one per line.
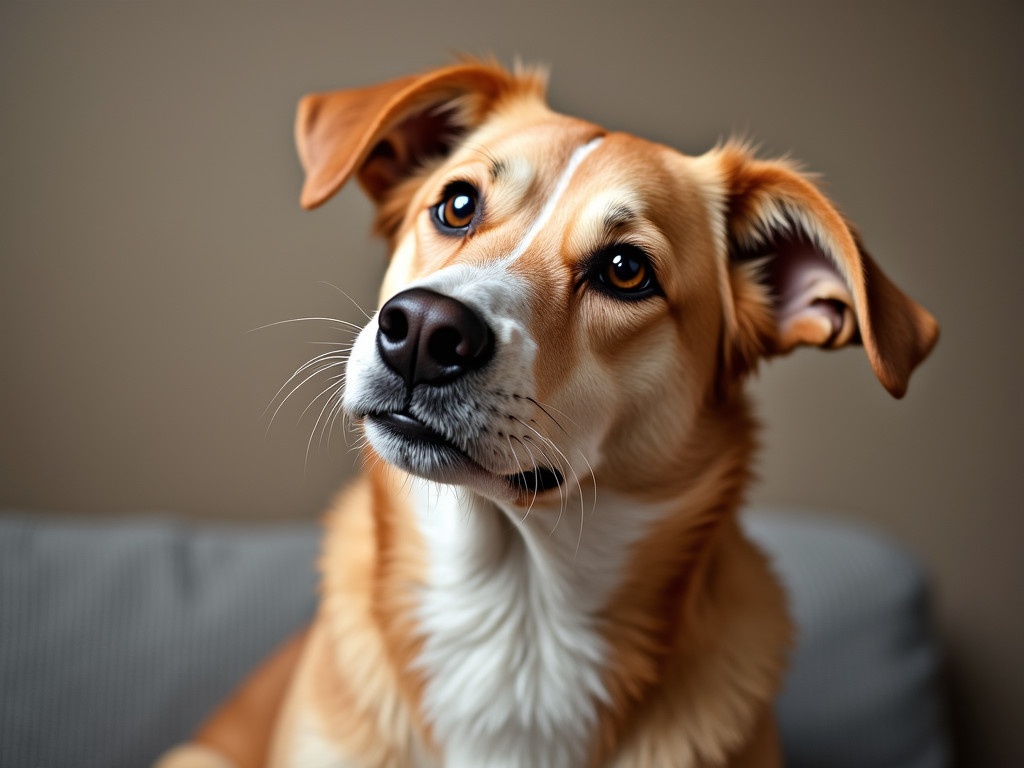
(541,565)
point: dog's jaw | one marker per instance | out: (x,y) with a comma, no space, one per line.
(428,456)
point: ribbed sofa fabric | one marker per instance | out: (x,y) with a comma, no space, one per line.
(118,637)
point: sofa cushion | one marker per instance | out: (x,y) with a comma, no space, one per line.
(117,638)
(862,688)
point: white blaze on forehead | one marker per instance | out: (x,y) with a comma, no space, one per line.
(578,156)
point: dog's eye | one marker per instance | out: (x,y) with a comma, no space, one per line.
(625,271)
(457,207)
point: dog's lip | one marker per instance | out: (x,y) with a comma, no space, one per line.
(411,428)
(530,482)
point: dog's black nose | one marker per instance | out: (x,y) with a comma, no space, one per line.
(429,338)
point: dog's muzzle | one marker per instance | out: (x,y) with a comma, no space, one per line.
(428,338)
(431,340)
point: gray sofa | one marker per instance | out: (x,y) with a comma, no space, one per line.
(117,637)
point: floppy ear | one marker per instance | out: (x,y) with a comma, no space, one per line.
(798,275)
(384,132)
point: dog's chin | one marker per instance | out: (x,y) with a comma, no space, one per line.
(407,443)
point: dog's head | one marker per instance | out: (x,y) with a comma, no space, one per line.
(563,301)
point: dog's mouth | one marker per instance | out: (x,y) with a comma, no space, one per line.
(537,480)
(448,463)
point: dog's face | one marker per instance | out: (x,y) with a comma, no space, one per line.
(589,259)
(563,304)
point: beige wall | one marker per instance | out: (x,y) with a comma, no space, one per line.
(149,219)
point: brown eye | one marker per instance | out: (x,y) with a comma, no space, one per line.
(625,272)
(458,207)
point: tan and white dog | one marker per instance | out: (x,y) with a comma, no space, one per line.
(544,567)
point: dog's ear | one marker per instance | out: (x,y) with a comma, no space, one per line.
(383,133)
(798,275)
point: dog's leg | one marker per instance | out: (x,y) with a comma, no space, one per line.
(239,733)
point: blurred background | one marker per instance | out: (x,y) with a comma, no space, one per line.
(149,220)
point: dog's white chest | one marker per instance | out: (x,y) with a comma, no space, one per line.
(512,660)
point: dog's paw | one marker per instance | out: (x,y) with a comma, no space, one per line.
(193,756)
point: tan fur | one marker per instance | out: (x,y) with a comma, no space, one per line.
(696,628)
(357,679)
(667,619)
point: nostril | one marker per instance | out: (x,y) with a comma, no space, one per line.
(394,324)
(447,347)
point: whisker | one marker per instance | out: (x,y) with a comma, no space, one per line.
(533,462)
(562,498)
(365,464)
(298,372)
(515,461)
(312,433)
(350,326)
(335,385)
(348,426)
(593,507)
(333,418)
(544,408)
(299,386)
(354,302)
(558,464)
(548,441)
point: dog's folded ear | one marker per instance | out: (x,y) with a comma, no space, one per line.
(383,133)
(798,275)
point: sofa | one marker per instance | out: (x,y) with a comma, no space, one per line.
(118,636)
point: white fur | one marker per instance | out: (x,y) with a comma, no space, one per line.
(513,652)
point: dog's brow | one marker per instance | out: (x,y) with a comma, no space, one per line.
(499,170)
(618,217)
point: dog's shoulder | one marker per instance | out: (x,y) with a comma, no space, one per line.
(714,708)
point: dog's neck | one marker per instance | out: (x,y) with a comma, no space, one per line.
(539,628)
(513,650)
